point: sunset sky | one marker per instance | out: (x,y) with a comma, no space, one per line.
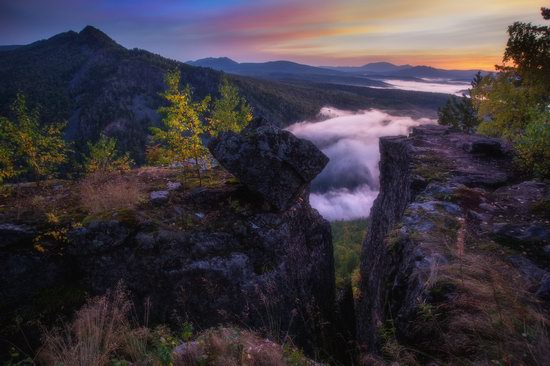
(442,33)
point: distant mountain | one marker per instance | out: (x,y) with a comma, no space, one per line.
(98,86)
(260,68)
(428,72)
(216,63)
(373,68)
(284,70)
(371,74)
(386,70)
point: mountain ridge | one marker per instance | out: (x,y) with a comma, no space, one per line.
(374,70)
(99,86)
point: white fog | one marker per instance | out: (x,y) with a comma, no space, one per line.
(349,184)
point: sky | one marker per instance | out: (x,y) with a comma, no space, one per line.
(457,34)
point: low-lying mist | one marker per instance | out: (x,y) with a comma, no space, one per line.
(433,86)
(348,185)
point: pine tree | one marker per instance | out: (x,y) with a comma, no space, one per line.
(231,112)
(461,113)
(180,137)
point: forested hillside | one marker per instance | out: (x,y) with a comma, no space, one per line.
(98,86)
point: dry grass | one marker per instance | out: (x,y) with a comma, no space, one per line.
(103,333)
(491,317)
(477,310)
(234,347)
(96,332)
(108,192)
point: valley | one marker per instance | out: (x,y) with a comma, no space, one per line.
(345,183)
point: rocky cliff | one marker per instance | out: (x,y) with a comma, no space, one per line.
(455,264)
(227,254)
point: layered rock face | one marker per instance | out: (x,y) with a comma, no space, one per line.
(209,256)
(454,265)
(239,264)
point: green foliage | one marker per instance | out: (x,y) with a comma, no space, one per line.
(460,113)
(28,148)
(528,52)
(231,112)
(187,332)
(347,238)
(7,152)
(533,146)
(103,156)
(180,138)
(514,103)
(504,104)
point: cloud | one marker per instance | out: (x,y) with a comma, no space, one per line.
(344,204)
(445,33)
(348,185)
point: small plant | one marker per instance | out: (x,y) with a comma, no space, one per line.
(187,332)
(104,157)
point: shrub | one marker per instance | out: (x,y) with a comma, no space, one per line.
(533,147)
(103,156)
(100,192)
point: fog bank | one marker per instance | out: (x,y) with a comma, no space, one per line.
(348,185)
(429,85)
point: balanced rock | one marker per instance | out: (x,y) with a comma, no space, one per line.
(270,161)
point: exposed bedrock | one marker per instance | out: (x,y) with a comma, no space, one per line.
(456,255)
(253,254)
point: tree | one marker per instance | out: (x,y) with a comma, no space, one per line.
(514,104)
(460,113)
(527,55)
(104,157)
(28,148)
(231,112)
(180,137)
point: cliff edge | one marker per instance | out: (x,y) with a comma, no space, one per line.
(455,266)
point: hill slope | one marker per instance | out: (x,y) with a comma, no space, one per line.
(98,86)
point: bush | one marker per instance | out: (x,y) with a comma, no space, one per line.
(533,147)
(100,192)
(104,157)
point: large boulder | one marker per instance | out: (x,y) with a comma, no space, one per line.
(270,161)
